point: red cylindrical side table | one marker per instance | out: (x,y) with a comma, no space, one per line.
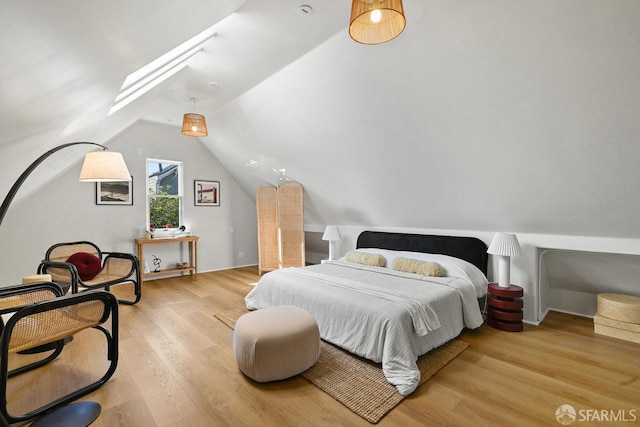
(505,307)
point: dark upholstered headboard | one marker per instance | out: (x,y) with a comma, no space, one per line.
(470,249)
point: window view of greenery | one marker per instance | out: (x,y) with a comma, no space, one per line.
(163,190)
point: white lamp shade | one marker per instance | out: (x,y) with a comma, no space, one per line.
(100,166)
(331,233)
(505,244)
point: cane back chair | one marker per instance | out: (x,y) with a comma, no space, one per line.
(39,316)
(84,266)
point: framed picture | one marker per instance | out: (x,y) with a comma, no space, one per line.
(206,193)
(114,193)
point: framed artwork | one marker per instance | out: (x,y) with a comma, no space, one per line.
(114,193)
(206,193)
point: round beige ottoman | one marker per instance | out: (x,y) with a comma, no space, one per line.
(276,343)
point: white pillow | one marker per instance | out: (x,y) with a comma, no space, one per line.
(365,258)
(424,268)
(454,267)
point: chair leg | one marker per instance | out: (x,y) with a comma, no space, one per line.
(137,284)
(56,346)
(137,290)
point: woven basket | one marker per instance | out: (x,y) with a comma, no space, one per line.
(605,321)
(616,329)
(625,308)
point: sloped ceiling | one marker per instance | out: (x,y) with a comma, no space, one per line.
(493,115)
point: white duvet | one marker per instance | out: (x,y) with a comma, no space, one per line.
(380,314)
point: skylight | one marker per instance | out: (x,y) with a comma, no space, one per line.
(160,69)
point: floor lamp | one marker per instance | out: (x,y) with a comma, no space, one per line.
(98,166)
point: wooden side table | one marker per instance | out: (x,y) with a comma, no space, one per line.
(192,268)
(505,307)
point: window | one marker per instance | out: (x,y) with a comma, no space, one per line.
(160,69)
(164,194)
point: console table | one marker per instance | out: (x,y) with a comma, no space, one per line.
(192,241)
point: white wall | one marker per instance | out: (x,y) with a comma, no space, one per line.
(492,115)
(65,210)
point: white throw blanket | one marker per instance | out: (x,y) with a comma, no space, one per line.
(467,290)
(423,317)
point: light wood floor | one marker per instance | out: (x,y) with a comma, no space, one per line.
(177,369)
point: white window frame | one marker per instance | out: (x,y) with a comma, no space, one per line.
(179,196)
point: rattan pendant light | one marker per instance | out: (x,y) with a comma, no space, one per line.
(194,124)
(376,21)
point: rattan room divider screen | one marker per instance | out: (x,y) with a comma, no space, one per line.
(280,213)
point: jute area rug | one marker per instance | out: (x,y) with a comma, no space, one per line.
(357,383)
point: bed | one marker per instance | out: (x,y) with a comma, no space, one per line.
(385,314)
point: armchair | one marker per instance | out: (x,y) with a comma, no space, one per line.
(84,266)
(39,317)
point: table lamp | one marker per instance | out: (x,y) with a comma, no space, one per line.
(505,245)
(332,234)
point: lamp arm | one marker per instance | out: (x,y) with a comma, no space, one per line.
(16,186)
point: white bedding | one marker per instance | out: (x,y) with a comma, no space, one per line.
(360,312)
